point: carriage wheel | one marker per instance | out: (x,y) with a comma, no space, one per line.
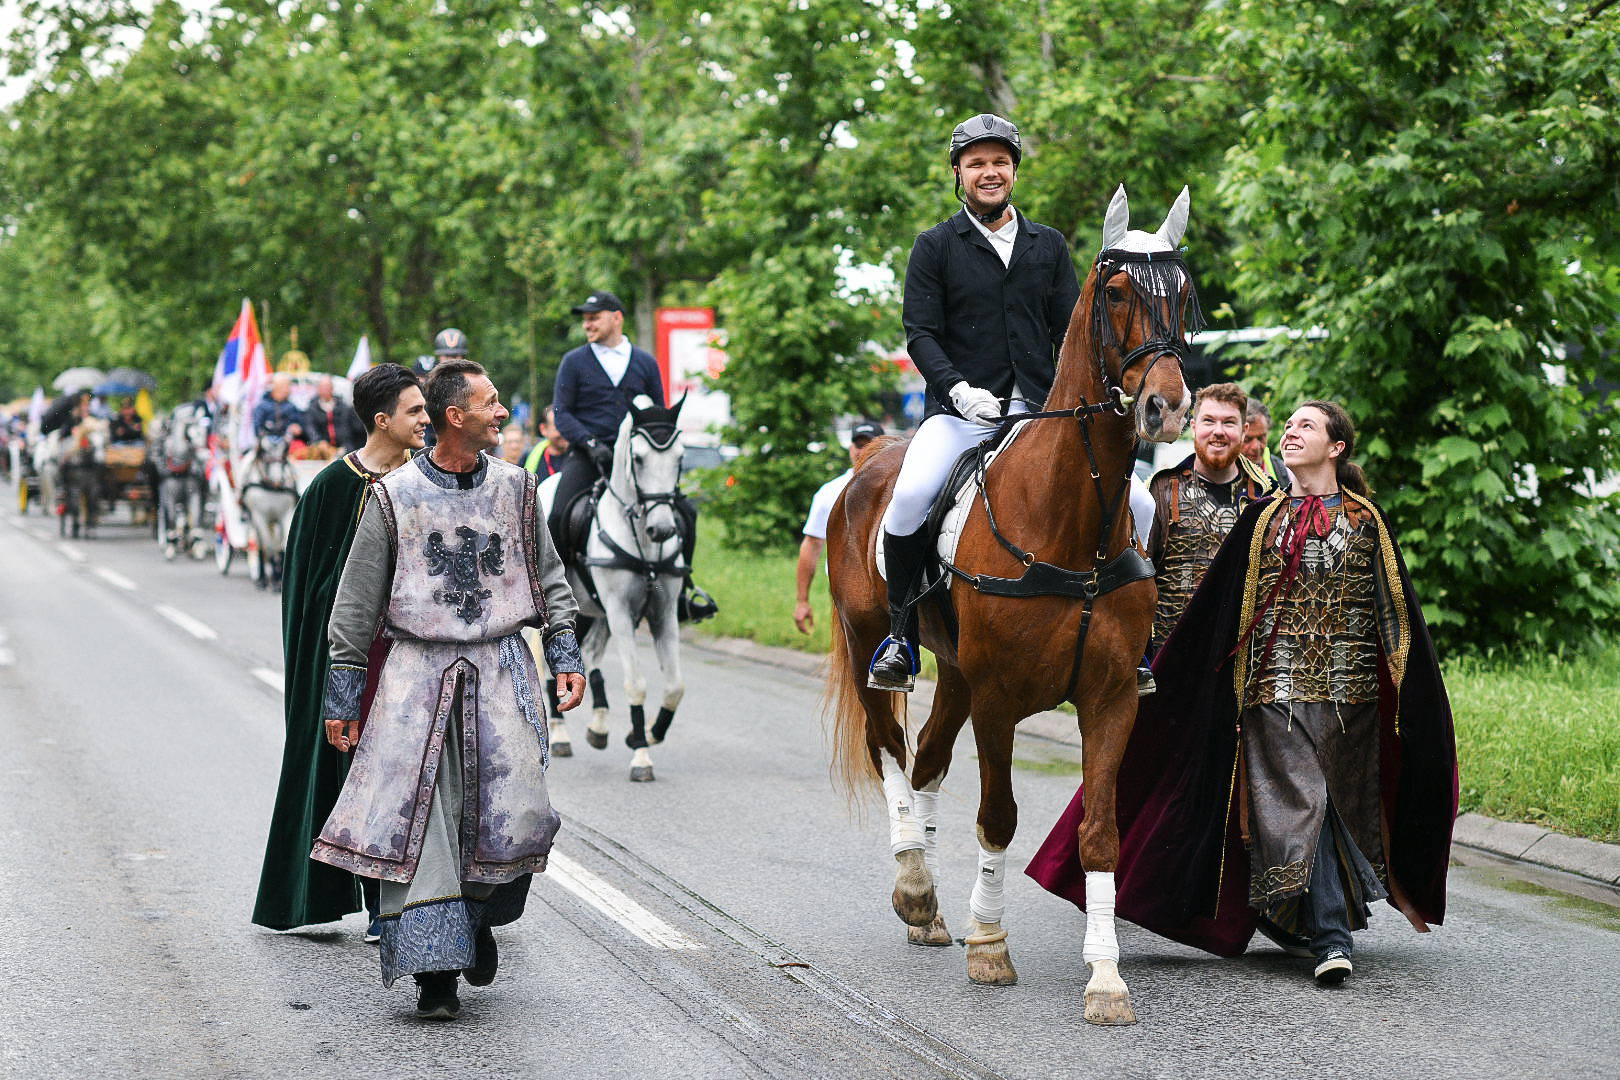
(222,553)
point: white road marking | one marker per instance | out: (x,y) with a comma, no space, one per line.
(73,554)
(197,629)
(272,679)
(616,905)
(113,577)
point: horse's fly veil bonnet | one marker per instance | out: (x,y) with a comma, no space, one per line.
(1157,271)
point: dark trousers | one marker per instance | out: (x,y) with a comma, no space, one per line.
(577,473)
(1326,906)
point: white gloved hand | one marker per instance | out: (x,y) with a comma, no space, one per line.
(979,406)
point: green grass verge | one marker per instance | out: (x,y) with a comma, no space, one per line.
(1538,738)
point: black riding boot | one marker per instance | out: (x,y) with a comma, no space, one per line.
(895,665)
(694,604)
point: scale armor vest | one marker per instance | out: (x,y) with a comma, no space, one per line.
(464,559)
(1199,523)
(1326,647)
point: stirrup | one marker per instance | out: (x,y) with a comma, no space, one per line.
(695,605)
(905,685)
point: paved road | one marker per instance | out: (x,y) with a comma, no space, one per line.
(144,738)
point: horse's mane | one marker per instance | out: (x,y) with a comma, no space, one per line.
(875,445)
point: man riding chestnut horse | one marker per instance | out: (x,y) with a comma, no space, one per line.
(1050,597)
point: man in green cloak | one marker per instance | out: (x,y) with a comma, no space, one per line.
(293,891)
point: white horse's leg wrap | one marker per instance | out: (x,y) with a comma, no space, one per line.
(925,804)
(1101,944)
(905,834)
(988,900)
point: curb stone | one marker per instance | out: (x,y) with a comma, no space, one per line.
(1511,840)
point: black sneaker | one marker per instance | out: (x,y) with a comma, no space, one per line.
(1333,969)
(436,997)
(486,959)
(1292,944)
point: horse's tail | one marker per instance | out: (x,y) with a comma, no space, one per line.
(854,773)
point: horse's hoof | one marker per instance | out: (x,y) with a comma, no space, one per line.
(598,739)
(562,749)
(641,774)
(988,961)
(914,900)
(935,933)
(1108,1000)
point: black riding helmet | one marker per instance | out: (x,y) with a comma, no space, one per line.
(982,128)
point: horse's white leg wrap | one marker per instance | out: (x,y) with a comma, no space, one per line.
(1101,944)
(905,834)
(987,901)
(925,807)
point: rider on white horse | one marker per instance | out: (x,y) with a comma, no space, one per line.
(988,298)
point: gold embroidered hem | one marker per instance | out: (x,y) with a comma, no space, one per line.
(1277,883)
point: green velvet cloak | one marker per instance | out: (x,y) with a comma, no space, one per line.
(293,890)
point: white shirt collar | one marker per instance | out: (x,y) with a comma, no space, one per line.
(615,360)
(1002,239)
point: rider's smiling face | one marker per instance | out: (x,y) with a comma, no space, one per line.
(988,174)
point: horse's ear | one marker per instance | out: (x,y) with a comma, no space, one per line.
(1175,222)
(675,409)
(1117,222)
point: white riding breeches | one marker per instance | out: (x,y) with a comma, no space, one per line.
(940,440)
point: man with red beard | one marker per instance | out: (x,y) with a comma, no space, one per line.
(1197,502)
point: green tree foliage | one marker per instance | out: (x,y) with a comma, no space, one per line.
(1433,184)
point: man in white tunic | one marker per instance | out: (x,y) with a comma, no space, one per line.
(446,802)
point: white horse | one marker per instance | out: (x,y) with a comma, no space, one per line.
(269,496)
(181,485)
(633,556)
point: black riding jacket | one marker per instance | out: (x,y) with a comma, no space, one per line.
(969,319)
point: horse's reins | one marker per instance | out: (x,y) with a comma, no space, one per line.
(1048,579)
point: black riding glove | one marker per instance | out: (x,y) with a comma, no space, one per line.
(601,454)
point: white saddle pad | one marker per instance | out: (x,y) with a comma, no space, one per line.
(950,533)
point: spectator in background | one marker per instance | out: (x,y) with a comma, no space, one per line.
(126,426)
(815,526)
(1257,442)
(546,457)
(332,421)
(275,415)
(514,444)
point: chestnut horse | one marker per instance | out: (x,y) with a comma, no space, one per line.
(1052,599)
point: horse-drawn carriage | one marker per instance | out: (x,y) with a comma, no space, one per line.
(128,479)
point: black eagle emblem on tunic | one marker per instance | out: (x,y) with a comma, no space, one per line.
(464,566)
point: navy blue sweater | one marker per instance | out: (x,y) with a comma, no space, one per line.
(588,405)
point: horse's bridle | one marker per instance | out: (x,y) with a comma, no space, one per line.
(662,437)
(1168,271)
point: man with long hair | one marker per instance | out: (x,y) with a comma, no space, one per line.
(1298,762)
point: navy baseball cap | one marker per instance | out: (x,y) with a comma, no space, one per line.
(864,431)
(601,300)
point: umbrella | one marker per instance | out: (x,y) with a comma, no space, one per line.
(134,378)
(78,378)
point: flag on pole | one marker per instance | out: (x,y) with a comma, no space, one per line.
(362,358)
(231,370)
(255,380)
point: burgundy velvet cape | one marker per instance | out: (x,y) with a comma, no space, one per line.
(1183,870)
